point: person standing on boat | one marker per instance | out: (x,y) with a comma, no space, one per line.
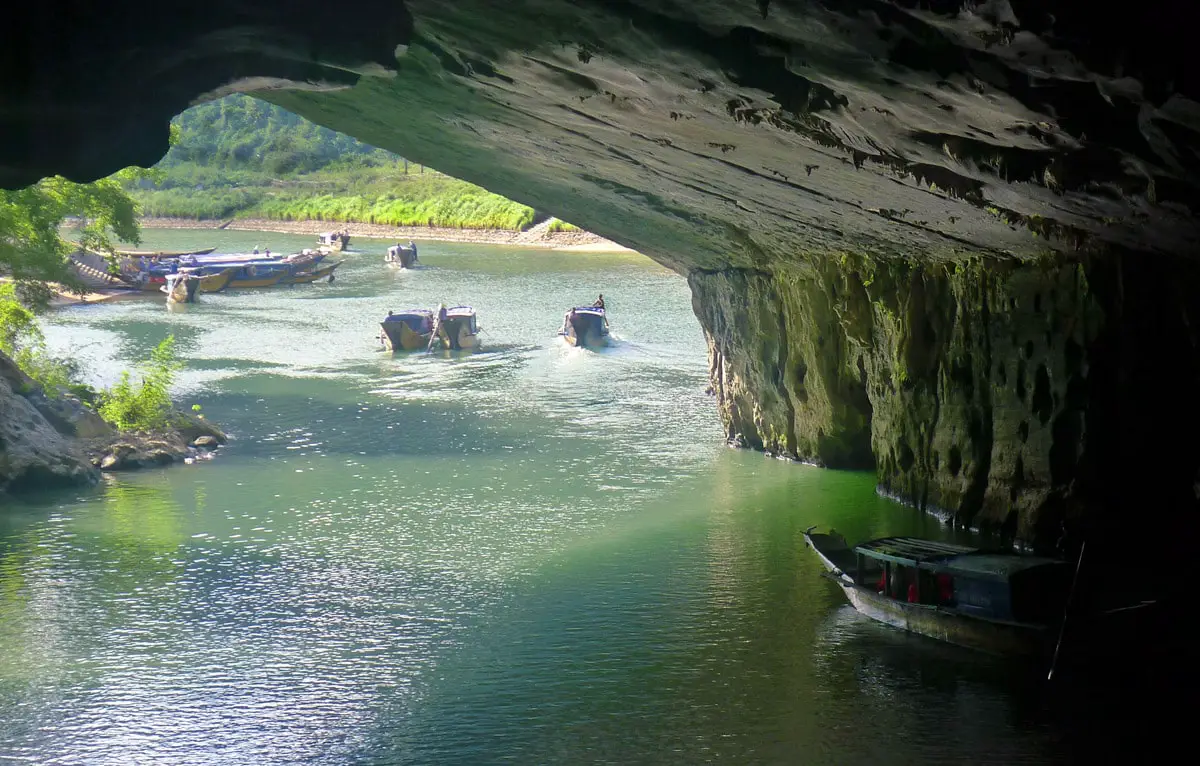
(256,249)
(413,246)
(599,302)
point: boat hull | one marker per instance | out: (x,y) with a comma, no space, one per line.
(403,257)
(267,281)
(215,283)
(306,277)
(585,328)
(163,253)
(398,336)
(455,334)
(991,636)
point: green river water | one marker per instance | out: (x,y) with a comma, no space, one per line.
(530,554)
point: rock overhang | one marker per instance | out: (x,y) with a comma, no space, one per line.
(707,134)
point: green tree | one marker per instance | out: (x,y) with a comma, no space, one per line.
(33,250)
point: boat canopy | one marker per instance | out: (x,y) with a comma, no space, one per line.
(911,551)
(397,316)
(589,310)
(460,311)
(998,586)
(995,566)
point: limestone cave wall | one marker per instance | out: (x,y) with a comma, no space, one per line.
(1011,395)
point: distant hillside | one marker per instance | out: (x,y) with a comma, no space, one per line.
(244,158)
(242,133)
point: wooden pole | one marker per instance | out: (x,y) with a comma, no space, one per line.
(1066,609)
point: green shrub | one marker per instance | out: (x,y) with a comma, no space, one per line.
(22,340)
(557,225)
(147,406)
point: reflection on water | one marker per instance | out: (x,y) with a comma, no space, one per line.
(532,553)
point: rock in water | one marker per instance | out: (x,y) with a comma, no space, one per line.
(206,442)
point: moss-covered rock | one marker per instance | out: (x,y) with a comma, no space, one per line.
(973,386)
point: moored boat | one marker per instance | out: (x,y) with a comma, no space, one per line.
(312,275)
(215,283)
(585,326)
(1002,603)
(456,328)
(407,330)
(155,254)
(252,276)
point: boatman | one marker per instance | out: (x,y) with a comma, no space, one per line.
(413,246)
(599,302)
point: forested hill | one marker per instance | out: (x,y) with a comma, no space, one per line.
(240,132)
(244,158)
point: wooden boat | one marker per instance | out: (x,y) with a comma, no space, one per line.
(162,253)
(312,275)
(247,278)
(585,326)
(456,328)
(215,283)
(406,257)
(1002,603)
(148,282)
(407,330)
(334,240)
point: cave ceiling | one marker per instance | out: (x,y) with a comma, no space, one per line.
(707,134)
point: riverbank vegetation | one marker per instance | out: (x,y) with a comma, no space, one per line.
(146,405)
(244,158)
(35,244)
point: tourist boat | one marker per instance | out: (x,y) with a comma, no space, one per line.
(215,283)
(181,287)
(456,327)
(311,275)
(1002,603)
(407,330)
(253,276)
(334,240)
(403,255)
(156,254)
(585,326)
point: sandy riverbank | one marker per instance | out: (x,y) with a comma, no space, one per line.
(62,296)
(537,237)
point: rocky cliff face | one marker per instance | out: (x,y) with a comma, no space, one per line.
(34,453)
(951,240)
(1010,395)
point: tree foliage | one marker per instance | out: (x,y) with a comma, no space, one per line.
(241,132)
(33,250)
(21,339)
